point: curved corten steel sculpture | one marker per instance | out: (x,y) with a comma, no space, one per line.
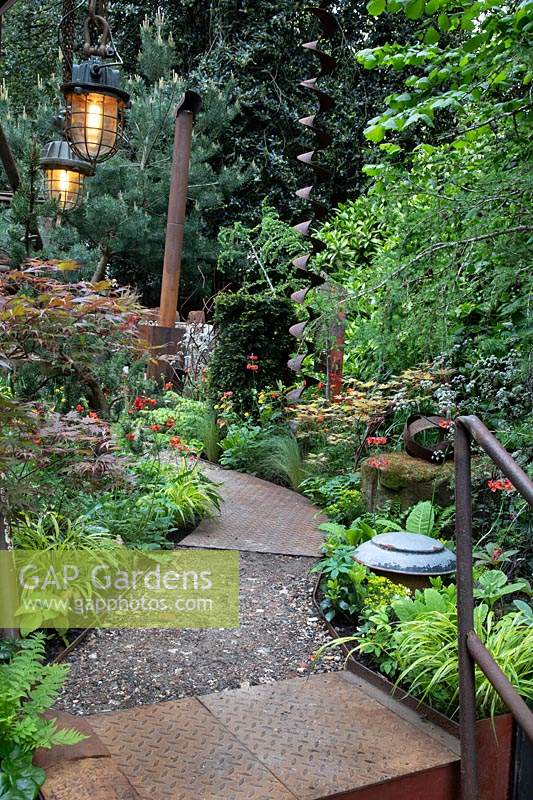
(436,452)
(328,26)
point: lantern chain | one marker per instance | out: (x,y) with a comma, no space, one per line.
(96,20)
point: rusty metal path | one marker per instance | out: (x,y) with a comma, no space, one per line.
(260,517)
(303,739)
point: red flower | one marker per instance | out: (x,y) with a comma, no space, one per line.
(496,553)
(253,358)
(501,485)
(168,386)
(130,437)
(170,422)
(138,403)
(252,367)
(93,415)
(376,440)
(79,408)
(227,394)
(445,423)
(378,463)
(150,402)
(155,428)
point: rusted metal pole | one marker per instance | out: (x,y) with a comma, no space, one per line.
(336,355)
(516,705)
(177,206)
(465,614)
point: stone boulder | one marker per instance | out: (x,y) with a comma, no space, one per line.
(407,479)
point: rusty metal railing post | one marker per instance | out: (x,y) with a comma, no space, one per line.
(465,614)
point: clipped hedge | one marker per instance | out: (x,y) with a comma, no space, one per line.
(249,324)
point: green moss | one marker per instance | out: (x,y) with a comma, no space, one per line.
(402,469)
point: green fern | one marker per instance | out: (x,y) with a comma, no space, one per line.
(28,687)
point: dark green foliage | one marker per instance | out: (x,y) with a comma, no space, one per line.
(250,324)
(160,504)
(19,779)
(339,497)
(260,256)
(257,46)
(29,50)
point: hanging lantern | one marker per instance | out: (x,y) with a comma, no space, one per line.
(64,175)
(95,105)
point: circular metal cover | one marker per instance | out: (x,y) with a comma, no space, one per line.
(406,553)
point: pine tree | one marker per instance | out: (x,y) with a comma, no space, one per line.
(119,230)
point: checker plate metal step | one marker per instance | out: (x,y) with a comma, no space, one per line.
(257,516)
(301,739)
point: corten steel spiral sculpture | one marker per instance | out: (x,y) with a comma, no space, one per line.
(322,174)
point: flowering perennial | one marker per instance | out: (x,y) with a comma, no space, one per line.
(501,485)
(376,440)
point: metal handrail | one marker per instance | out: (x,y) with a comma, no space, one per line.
(471,649)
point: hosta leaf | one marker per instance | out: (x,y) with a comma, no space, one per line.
(421,519)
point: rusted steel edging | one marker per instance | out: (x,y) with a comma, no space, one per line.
(380,682)
(70,647)
(516,705)
(492,447)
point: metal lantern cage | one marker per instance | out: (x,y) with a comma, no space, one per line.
(95,106)
(64,175)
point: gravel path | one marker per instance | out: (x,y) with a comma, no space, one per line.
(279,632)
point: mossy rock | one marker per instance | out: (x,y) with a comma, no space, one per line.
(407,480)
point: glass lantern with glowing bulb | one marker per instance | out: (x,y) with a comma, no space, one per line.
(95,106)
(64,175)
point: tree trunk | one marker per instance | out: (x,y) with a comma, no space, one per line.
(99,273)
(96,397)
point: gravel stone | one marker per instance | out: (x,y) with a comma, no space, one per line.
(279,633)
